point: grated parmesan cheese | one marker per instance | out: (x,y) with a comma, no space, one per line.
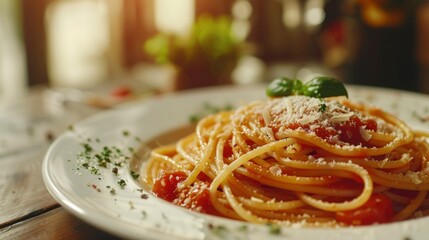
(276,170)
(364,134)
(340,118)
(269,132)
(302,113)
(383,162)
(266,116)
(415,178)
(255,199)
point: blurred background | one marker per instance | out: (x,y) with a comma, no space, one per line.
(126,47)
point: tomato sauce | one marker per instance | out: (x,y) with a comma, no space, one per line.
(195,197)
(348,131)
(378,209)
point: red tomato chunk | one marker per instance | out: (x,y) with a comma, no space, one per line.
(165,187)
(350,130)
(378,209)
(195,197)
(325,133)
(121,92)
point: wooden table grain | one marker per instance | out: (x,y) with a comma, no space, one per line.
(27,210)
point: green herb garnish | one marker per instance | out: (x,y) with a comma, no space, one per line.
(122,183)
(95,171)
(135,175)
(322,107)
(319,87)
(219,230)
(242,228)
(87,147)
(284,86)
(125,133)
(274,229)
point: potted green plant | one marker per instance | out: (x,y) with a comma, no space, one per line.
(206,56)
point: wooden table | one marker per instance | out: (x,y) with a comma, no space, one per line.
(27,211)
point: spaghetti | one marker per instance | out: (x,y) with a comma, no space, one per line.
(297,160)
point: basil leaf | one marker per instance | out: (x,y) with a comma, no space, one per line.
(281,87)
(298,87)
(322,87)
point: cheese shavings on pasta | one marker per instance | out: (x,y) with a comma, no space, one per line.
(289,161)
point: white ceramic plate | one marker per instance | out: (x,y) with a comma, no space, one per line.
(132,212)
